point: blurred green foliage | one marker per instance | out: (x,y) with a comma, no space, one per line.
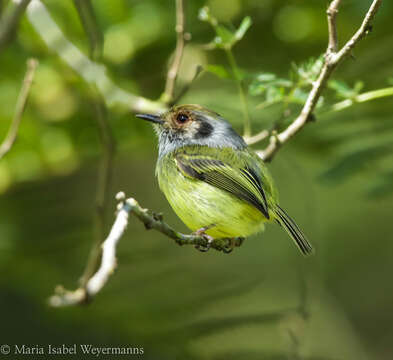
(336,178)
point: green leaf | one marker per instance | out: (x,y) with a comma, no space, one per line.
(244,26)
(266,77)
(283,83)
(343,90)
(219,71)
(358,87)
(264,81)
(225,37)
(309,70)
(274,94)
(256,89)
(299,96)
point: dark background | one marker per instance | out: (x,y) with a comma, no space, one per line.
(176,302)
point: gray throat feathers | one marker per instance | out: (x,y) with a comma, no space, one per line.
(212,133)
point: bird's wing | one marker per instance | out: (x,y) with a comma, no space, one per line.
(239,180)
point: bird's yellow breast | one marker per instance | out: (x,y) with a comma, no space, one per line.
(199,204)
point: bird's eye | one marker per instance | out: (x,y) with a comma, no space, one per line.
(182,118)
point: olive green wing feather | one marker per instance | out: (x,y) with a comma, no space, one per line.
(234,177)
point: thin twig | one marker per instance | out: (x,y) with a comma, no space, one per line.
(243,98)
(360,98)
(9,22)
(20,108)
(364,29)
(104,180)
(168,95)
(93,31)
(94,284)
(86,13)
(332,59)
(332,12)
(257,137)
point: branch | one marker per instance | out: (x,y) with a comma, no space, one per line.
(360,98)
(84,294)
(332,12)
(20,108)
(168,95)
(257,137)
(92,72)
(9,23)
(332,60)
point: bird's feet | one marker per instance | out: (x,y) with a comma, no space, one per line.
(208,238)
(232,243)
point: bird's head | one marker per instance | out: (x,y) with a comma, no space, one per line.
(184,125)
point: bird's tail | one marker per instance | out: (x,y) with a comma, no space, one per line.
(293,231)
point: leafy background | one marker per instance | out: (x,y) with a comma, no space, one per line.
(335,178)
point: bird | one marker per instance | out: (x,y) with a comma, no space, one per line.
(214,182)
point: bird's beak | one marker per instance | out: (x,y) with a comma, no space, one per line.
(152,118)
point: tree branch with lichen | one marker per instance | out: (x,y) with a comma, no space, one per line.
(332,58)
(151,220)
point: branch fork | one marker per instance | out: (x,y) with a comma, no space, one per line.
(333,57)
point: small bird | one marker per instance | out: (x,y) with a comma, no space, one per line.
(214,182)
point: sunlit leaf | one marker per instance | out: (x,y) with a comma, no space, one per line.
(265,81)
(309,70)
(299,96)
(244,26)
(274,94)
(266,77)
(358,87)
(343,90)
(225,37)
(256,89)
